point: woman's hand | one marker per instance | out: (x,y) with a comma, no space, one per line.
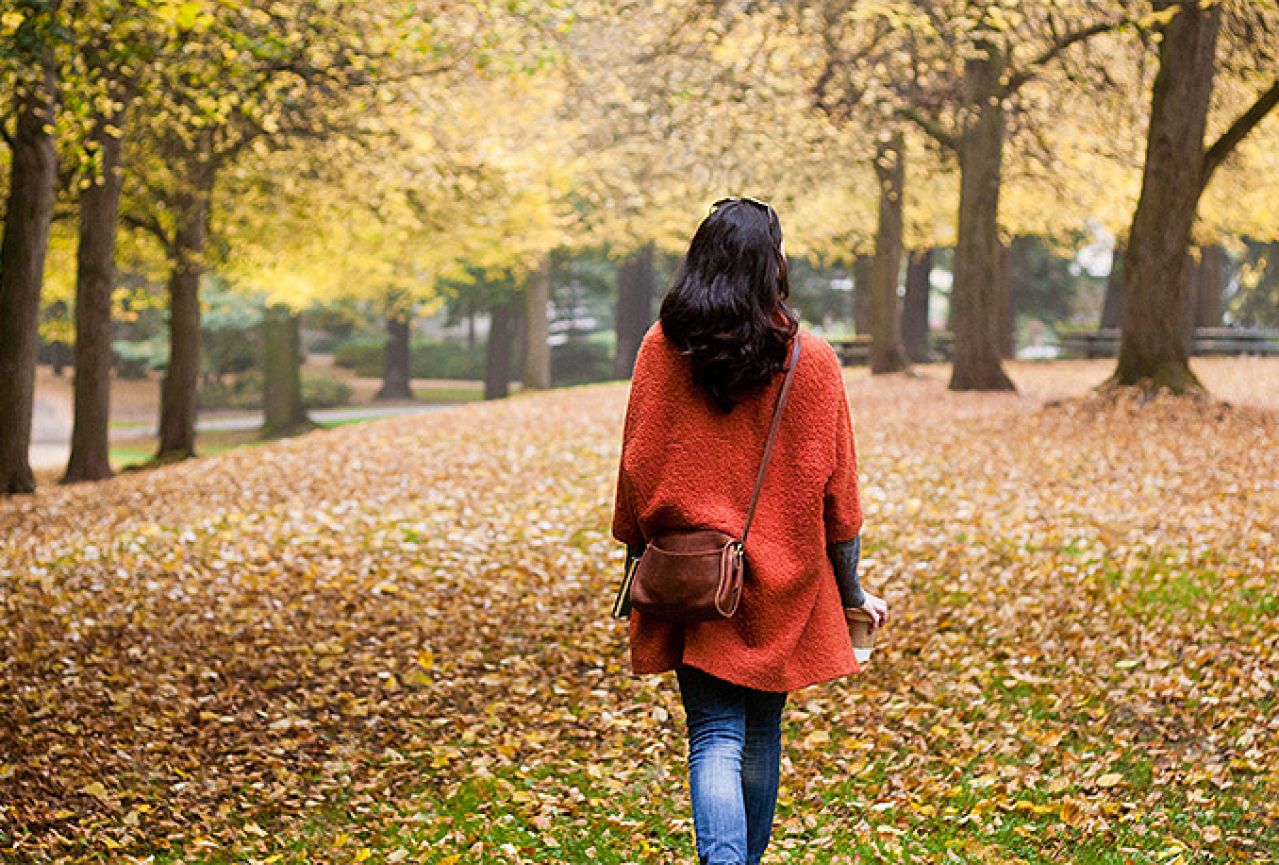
(876,607)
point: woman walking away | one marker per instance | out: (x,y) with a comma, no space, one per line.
(706,382)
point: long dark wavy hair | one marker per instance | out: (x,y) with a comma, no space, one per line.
(722,311)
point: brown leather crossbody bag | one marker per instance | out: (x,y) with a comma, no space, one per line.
(696,575)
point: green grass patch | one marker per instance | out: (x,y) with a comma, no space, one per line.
(448,394)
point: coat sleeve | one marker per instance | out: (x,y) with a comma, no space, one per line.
(625,509)
(625,524)
(842,507)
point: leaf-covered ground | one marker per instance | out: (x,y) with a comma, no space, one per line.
(390,643)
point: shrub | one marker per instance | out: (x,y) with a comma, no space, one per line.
(244,391)
(135,358)
(322,391)
(360,355)
(429,358)
(580,362)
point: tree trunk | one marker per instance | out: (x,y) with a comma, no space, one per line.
(283,412)
(886,351)
(1152,348)
(32,176)
(95,280)
(914,326)
(181,379)
(497,353)
(635,282)
(1189,282)
(1112,306)
(976,295)
(397,359)
(863,268)
(1210,287)
(537,357)
(1008,293)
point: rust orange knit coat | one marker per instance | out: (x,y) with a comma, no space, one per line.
(684,465)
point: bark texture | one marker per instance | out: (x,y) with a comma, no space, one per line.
(634,311)
(919,270)
(537,353)
(977,295)
(397,359)
(886,351)
(1112,305)
(863,268)
(283,412)
(1010,255)
(1210,287)
(28,214)
(95,281)
(181,379)
(498,352)
(1152,347)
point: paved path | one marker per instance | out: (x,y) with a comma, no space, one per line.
(253,420)
(51,441)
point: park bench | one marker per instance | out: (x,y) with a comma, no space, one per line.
(856,351)
(1219,341)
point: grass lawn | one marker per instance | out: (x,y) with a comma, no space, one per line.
(390,643)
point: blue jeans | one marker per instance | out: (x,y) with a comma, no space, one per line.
(734,759)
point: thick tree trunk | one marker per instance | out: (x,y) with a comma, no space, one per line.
(977,295)
(283,412)
(863,268)
(1152,348)
(397,359)
(1210,288)
(886,351)
(181,379)
(95,281)
(1112,305)
(919,270)
(32,176)
(497,354)
(537,353)
(634,311)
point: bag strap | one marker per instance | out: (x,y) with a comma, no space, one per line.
(772,433)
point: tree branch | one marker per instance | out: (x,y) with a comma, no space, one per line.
(929,125)
(150,225)
(1031,69)
(1222,147)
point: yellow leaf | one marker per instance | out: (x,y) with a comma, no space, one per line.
(96,790)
